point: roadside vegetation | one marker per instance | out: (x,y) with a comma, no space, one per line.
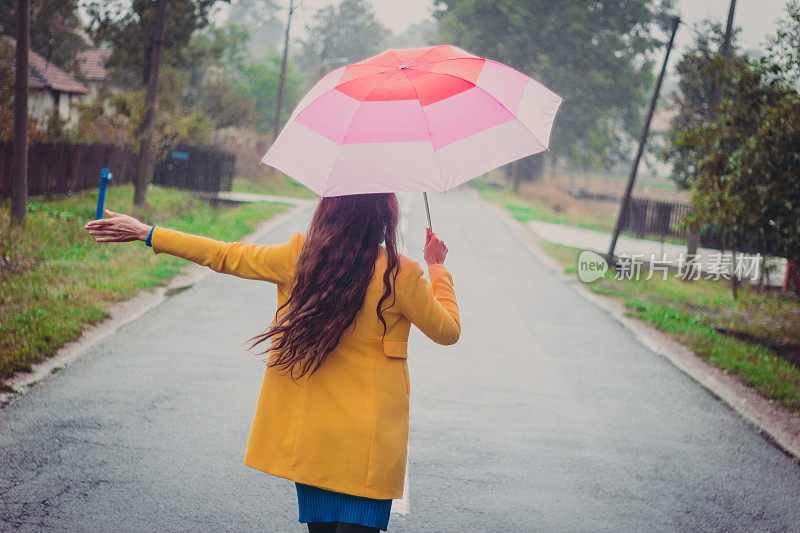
(275,184)
(551,203)
(526,207)
(755,337)
(55,280)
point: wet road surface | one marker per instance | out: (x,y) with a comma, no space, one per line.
(547,415)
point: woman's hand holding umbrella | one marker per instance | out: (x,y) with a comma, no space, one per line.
(435,249)
(118,228)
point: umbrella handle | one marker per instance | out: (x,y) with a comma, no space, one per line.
(427,210)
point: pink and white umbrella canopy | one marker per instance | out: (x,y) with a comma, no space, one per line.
(423,119)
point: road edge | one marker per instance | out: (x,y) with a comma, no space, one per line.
(126,311)
(776,425)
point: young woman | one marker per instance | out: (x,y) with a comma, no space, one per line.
(332,415)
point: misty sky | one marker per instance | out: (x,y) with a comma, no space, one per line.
(756,17)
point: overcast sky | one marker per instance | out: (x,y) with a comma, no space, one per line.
(756,17)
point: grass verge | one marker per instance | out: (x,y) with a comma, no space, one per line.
(703,315)
(275,184)
(529,208)
(55,279)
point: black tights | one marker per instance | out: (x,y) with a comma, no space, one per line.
(339,527)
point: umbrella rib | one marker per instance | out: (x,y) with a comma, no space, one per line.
(384,80)
(512,114)
(451,59)
(323,93)
(428,129)
(426,53)
(490,95)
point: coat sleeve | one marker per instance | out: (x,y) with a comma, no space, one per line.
(431,306)
(245,260)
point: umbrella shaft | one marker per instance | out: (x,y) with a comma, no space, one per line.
(427,210)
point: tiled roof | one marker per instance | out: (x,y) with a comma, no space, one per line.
(43,74)
(93,63)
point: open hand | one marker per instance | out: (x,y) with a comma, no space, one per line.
(435,249)
(117,228)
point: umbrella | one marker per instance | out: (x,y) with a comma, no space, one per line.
(417,119)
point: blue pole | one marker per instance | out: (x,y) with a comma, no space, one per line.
(105,177)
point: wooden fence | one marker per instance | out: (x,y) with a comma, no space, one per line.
(63,169)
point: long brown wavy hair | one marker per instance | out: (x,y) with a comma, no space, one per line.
(333,271)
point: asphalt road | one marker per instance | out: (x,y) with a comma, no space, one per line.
(546,416)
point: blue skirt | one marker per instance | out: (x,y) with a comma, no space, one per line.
(320,505)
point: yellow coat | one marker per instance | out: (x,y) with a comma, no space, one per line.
(345,428)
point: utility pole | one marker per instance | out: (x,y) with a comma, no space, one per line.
(725,52)
(693,237)
(282,82)
(19,161)
(626,198)
(145,129)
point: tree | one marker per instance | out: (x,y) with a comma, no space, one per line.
(596,55)
(19,159)
(767,176)
(263,22)
(215,56)
(262,82)
(55,29)
(128,25)
(700,70)
(231,89)
(6,92)
(784,47)
(747,185)
(421,34)
(341,35)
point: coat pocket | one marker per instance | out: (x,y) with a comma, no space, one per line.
(395,348)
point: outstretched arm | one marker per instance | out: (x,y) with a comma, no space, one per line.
(245,260)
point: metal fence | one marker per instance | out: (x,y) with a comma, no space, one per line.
(646,216)
(196,168)
(63,169)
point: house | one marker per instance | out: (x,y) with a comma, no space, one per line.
(92,65)
(51,89)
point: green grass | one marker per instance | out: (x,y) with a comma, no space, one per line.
(689,312)
(57,280)
(277,184)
